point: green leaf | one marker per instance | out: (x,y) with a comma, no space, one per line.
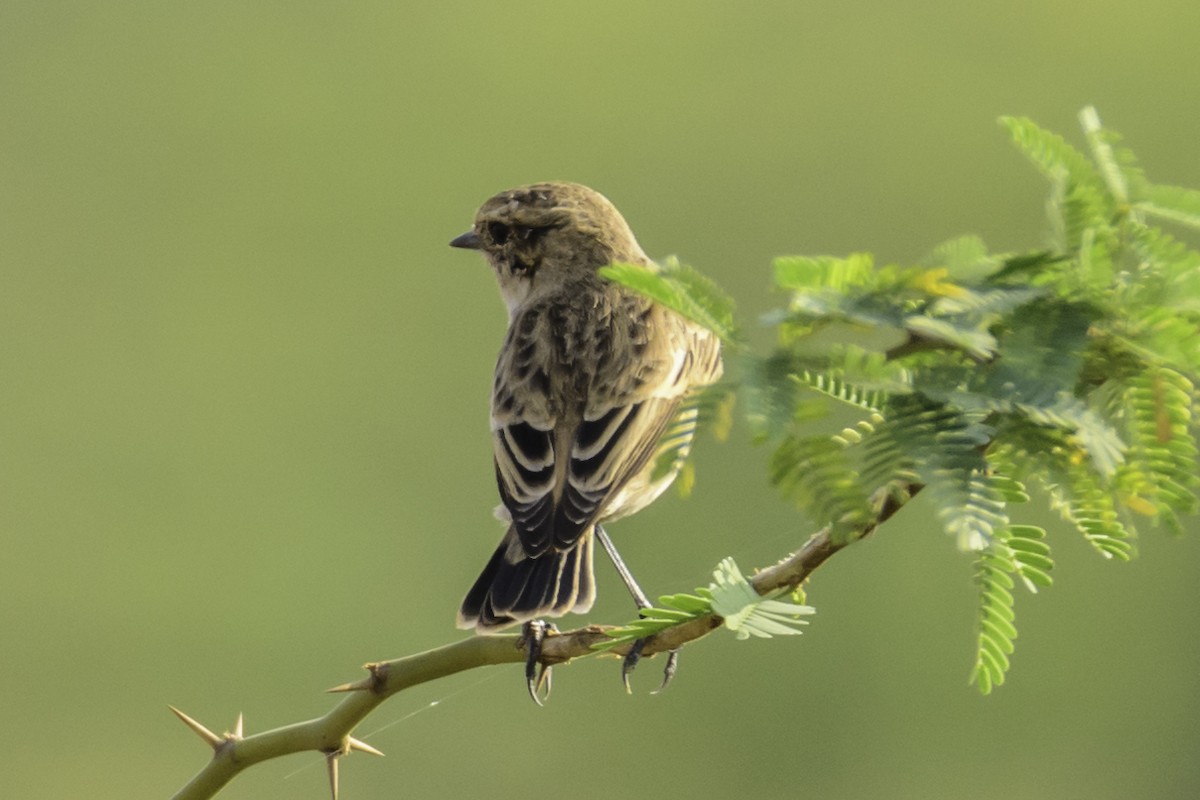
(1050,153)
(835,388)
(1085,502)
(1173,203)
(1028,267)
(966,259)
(675,610)
(731,597)
(771,395)
(1162,467)
(801,273)
(996,632)
(817,474)
(1169,278)
(681,289)
(946,448)
(746,612)
(988,305)
(1161,335)
(1099,440)
(708,406)
(1101,143)
(971,339)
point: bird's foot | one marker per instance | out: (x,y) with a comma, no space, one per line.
(537,675)
(635,654)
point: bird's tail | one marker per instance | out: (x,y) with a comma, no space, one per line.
(517,588)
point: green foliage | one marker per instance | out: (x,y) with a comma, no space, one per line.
(747,613)
(1172,203)
(972,376)
(682,289)
(818,474)
(731,597)
(710,406)
(1016,550)
(673,609)
(1160,473)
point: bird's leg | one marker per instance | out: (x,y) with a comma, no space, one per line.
(537,674)
(639,597)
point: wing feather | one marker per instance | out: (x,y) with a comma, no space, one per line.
(572,429)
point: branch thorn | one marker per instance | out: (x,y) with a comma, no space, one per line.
(362,747)
(374,682)
(331,760)
(364,685)
(204,733)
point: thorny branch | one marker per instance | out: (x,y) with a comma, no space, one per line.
(330,734)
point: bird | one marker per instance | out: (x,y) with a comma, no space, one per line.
(592,404)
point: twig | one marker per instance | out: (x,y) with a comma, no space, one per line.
(330,734)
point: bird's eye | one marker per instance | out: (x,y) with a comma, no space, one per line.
(498,232)
(530,236)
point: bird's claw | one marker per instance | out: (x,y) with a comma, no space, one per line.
(634,656)
(631,660)
(538,678)
(668,671)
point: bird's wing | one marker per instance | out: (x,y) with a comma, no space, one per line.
(606,452)
(556,467)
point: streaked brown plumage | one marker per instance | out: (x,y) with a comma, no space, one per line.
(589,379)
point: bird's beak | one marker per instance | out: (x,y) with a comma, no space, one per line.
(468,241)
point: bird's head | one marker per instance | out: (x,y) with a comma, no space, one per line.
(544,236)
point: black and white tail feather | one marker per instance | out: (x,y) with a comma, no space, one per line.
(516,588)
(543,566)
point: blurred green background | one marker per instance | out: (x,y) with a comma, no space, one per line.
(243,432)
